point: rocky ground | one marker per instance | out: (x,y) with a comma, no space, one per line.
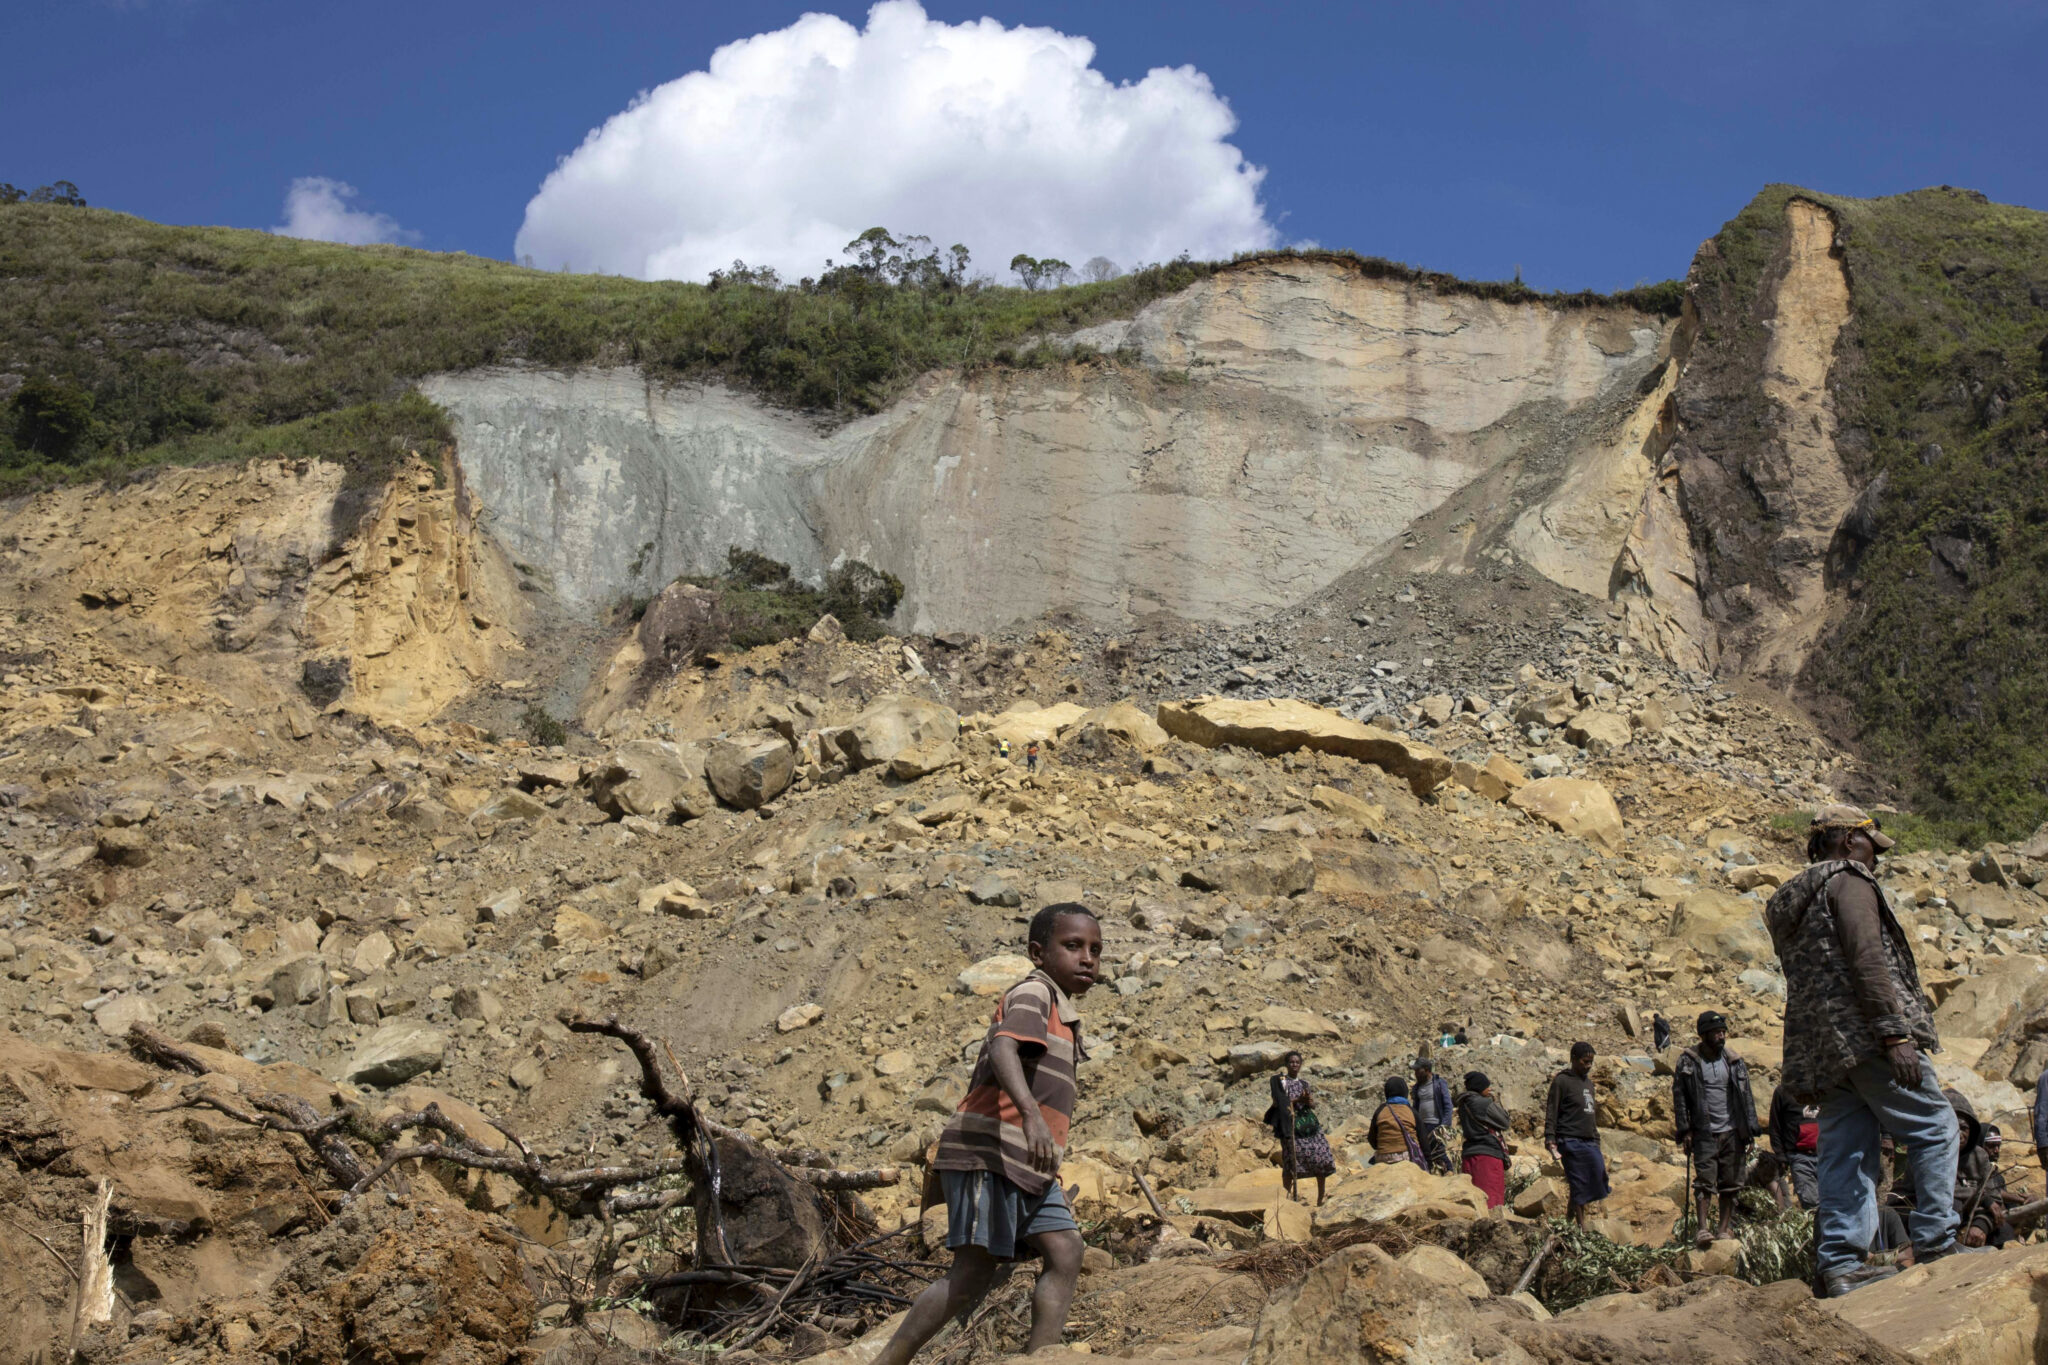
(805,869)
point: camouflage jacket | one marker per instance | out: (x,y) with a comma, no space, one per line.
(1826,1032)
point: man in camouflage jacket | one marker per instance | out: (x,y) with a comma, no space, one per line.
(1856,1024)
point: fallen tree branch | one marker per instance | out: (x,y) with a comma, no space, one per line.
(848,1180)
(1529,1275)
(94,1301)
(286,1113)
(1145,1188)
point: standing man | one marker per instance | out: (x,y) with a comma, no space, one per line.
(1856,1024)
(1572,1134)
(1660,1032)
(1431,1099)
(1031,757)
(1795,1138)
(1714,1113)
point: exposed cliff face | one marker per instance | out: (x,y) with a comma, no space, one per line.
(1278,424)
(229,576)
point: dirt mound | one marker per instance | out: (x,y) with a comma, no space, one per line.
(383,1284)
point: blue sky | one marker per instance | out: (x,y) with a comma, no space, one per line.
(1591,144)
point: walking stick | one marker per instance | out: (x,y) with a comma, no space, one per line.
(1692,1201)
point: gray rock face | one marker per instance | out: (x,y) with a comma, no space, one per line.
(1363,404)
(396,1053)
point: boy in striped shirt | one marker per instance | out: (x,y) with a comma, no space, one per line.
(999,1156)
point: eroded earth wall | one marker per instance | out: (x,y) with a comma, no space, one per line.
(1257,436)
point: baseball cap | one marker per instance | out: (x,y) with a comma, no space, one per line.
(1851,817)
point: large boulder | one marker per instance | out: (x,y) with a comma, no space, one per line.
(1962,1310)
(1715,1320)
(1573,806)
(1349,866)
(1028,721)
(1723,928)
(2006,991)
(654,779)
(1359,1307)
(1279,725)
(751,771)
(890,726)
(1121,721)
(1398,1190)
(994,975)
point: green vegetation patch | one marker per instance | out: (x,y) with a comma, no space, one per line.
(1944,375)
(125,343)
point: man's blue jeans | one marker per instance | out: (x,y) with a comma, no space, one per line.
(1852,1115)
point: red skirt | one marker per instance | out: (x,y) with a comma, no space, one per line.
(1490,1174)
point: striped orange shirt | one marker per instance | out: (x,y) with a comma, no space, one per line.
(986,1133)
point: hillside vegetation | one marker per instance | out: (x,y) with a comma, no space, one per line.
(1941,381)
(126,343)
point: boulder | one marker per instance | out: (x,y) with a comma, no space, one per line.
(1983,1309)
(654,779)
(396,1053)
(373,954)
(1360,1307)
(799,1016)
(2005,990)
(1551,709)
(1723,928)
(123,1012)
(922,760)
(826,631)
(124,846)
(1345,806)
(1598,732)
(1399,1190)
(1281,873)
(1573,806)
(1281,725)
(1250,1059)
(890,726)
(1999,907)
(507,803)
(749,772)
(1443,1268)
(992,888)
(994,975)
(1028,721)
(1121,721)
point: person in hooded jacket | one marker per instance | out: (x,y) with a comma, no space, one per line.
(1484,1125)
(1714,1113)
(1979,1195)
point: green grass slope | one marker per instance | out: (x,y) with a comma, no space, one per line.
(136,343)
(1941,381)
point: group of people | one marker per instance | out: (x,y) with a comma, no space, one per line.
(1003,751)
(1854,1088)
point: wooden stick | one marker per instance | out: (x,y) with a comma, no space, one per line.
(95,1299)
(1529,1275)
(1145,1188)
(848,1180)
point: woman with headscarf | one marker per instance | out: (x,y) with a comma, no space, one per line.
(1484,1125)
(1304,1150)
(1394,1137)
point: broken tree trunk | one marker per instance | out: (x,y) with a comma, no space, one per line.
(94,1303)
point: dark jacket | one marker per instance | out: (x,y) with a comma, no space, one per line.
(1849,972)
(1568,1109)
(2041,1110)
(1483,1123)
(1688,1107)
(1787,1114)
(1442,1090)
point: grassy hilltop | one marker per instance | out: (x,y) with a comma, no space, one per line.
(1941,387)
(145,343)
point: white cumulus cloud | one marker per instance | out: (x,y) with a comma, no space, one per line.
(796,141)
(318,208)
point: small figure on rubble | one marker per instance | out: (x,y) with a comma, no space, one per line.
(999,1156)
(1571,1132)
(1714,1112)
(1856,1026)
(1304,1150)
